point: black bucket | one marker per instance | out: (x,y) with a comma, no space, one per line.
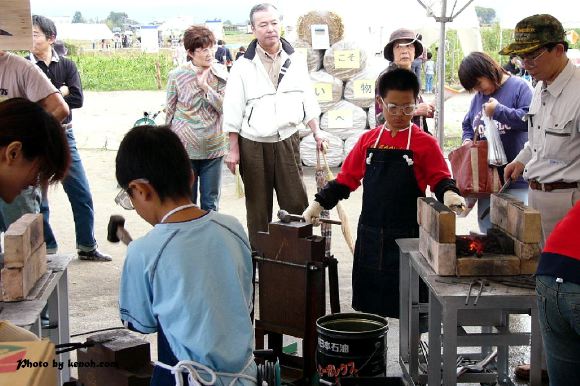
(351,344)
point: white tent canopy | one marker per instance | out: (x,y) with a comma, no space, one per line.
(83,31)
(176,25)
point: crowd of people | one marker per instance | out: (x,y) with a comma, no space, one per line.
(190,278)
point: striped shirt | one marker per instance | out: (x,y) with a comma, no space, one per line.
(194,115)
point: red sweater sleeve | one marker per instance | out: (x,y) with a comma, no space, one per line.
(564,238)
(429,165)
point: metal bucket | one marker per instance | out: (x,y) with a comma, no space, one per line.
(351,344)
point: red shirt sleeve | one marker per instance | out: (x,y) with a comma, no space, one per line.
(429,165)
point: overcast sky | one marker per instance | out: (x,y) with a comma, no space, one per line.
(144,11)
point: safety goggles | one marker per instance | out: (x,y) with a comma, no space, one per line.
(123,198)
(397,110)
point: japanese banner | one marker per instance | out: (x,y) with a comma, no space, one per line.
(364,89)
(347,59)
(323,92)
(340,119)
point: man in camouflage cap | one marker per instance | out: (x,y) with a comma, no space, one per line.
(550,161)
(533,33)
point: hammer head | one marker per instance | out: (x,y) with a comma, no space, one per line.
(115,221)
(284,216)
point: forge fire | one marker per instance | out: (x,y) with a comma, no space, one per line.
(495,242)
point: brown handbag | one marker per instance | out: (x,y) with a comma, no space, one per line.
(474,176)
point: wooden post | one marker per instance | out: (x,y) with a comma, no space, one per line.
(158,74)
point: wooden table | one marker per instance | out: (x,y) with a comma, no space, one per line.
(449,312)
(51,290)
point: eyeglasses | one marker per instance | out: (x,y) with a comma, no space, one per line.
(123,198)
(396,110)
(529,60)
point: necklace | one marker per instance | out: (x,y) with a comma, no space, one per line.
(175,210)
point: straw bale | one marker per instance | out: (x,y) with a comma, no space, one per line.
(334,22)
(313,57)
(344,60)
(344,119)
(334,152)
(360,89)
(322,81)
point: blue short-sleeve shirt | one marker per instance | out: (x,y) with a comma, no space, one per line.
(194,280)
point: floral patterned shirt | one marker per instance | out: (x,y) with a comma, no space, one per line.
(194,115)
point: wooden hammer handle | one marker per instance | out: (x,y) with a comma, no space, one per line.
(123,235)
(329,221)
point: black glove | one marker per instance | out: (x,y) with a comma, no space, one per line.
(332,192)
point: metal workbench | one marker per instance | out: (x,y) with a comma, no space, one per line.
(51,289)
(449,314)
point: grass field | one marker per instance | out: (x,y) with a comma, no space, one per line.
(130,69)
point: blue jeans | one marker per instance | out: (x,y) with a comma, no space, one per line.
(76,187)
(559,314)
(208,175)
(483,203)
(428,83)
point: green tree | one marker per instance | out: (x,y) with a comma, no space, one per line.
(486,16)
(78,18)
(116,19)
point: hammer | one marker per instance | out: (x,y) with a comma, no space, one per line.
(286,217)
(116,230)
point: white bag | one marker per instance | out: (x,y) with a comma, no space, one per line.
(495,151)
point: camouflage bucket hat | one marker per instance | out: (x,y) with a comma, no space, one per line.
(534,32)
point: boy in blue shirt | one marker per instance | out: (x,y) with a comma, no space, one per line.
(190,278)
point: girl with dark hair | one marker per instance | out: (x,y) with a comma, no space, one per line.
(33,148)
(504,98)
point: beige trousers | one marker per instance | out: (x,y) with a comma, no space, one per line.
(552,206)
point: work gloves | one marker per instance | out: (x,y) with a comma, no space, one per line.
(312,213)
(453,201)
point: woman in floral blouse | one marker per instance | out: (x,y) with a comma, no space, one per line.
(195,92)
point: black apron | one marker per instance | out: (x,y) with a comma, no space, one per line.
(389,212)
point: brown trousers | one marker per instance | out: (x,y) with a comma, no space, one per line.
(266,167)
